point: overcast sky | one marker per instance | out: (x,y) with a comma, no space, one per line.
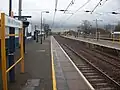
(34,8)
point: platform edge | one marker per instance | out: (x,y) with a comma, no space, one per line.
(87,82)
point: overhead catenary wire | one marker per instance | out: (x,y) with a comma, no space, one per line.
(96,6)
(71,3)
(82,6)
(99,3)
(116,9)
(104,2)
(78,10)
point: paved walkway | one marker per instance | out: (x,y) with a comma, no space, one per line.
(38,72)
(105,43)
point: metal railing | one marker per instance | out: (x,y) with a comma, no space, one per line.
(4,22)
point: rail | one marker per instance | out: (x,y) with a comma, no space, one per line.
(109,78)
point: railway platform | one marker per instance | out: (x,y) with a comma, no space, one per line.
(48,67)
(66,75)
(38,72)
(104,43)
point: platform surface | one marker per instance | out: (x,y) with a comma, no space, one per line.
(67,77)
(105,43)
(38,72)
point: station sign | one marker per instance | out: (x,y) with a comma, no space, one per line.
(11,22)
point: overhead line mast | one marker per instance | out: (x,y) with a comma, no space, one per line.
(56,3)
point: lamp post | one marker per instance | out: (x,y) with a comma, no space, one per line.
(96,24)
(36,34)
(41,24)
(97,28)
(43,27)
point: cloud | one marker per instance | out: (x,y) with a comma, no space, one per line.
(34,8)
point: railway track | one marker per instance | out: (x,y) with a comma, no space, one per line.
(97,77)
(107,63)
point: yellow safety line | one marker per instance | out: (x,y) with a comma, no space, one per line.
(53,69)
(53,75)
(14,65)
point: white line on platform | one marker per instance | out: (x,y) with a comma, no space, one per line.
(91,87)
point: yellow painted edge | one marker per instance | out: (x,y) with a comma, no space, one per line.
(53,75)
(53,69)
